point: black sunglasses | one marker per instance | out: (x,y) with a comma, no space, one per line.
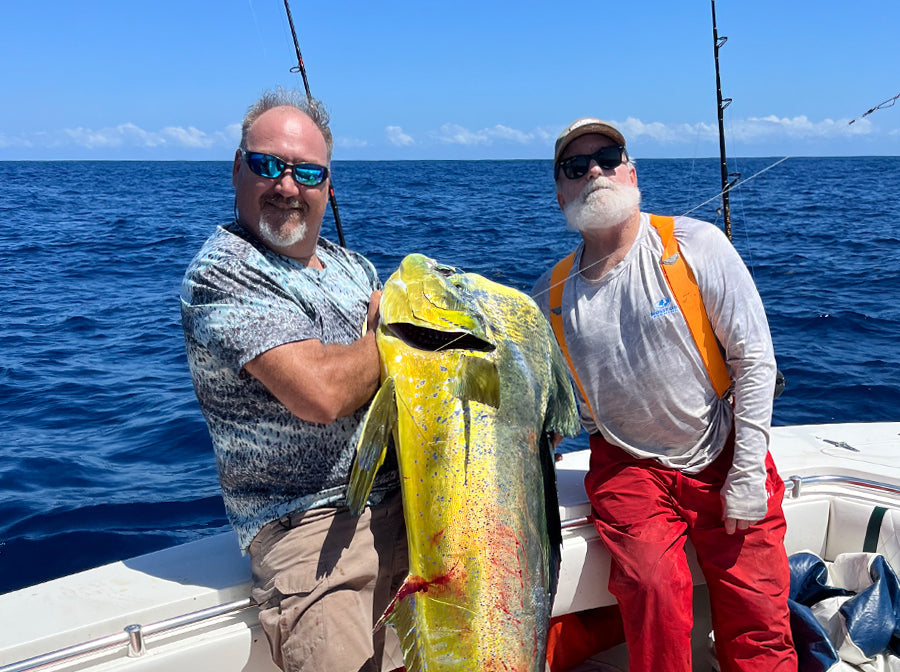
(608,158)
(267,165)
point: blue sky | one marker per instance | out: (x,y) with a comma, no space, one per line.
(159,79)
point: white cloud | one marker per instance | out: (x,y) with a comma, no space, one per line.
(799,127)
(749,131)
(187,137)
(666,133)
(350,143)
(14,141)
(175,141)
(233,132)
(499,132)
(125,135)
(396,136)
(459,135)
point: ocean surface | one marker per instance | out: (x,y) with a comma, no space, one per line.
(103,451)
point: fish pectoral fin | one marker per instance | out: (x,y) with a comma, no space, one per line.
(562,409)
(477,379)
(372,445)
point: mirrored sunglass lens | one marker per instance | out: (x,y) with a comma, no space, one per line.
(309,175)
(266,165)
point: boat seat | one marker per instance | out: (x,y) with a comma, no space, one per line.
(831,525)
(861,526)
(824,525)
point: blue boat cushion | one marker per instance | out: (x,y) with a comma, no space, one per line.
(847,610)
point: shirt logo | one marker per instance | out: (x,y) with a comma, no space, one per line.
(670,261)
(664,307)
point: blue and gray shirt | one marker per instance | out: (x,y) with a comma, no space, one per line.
(238,300)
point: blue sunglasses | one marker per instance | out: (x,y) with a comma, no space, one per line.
(267,165)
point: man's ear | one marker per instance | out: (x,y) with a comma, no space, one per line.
(559,200)
(236,167)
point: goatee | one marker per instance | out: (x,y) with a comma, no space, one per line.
(288,229)
(602,204)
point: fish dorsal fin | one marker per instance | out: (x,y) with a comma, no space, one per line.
(371,448)
(477,379)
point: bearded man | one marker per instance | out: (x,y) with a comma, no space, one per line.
(279,325)
(671,458)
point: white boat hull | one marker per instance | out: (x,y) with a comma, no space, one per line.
(191,601)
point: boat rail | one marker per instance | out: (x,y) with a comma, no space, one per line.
(795,484)
(132,636)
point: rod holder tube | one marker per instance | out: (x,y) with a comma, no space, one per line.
(135,640)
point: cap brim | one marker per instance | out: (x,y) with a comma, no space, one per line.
(586,127)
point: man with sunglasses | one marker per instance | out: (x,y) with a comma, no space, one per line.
(671,459)
(279,326)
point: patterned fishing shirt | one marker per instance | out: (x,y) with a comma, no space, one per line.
(238,300)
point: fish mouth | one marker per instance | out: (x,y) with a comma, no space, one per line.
(434,340)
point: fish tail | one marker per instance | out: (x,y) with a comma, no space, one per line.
(400,613)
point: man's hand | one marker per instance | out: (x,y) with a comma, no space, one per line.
(732,524)
(374,315)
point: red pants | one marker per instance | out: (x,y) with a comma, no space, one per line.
(644,512)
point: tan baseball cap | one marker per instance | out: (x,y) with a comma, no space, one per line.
(585,126)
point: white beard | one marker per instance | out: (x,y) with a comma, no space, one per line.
(602,204)
(290,230)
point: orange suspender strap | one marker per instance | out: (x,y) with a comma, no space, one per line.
(557,281)
(684,288)
(687,294)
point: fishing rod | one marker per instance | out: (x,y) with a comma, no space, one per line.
(780,381)
(722,103)
(302,70)
(887,103)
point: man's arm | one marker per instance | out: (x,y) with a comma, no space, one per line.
(738,317)
(319,382)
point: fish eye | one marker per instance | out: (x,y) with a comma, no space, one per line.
(446,271)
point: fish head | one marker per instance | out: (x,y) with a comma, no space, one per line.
(432,307)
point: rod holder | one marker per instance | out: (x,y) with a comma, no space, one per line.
(135,640)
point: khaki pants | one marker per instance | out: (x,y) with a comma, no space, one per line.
(322,579)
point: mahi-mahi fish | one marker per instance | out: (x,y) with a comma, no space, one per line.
(473,389)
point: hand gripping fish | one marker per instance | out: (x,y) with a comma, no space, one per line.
(473,386)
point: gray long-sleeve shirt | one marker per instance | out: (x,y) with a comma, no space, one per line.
(644,375)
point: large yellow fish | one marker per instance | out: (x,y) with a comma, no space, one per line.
(473,387)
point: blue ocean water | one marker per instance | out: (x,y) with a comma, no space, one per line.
(105,454)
